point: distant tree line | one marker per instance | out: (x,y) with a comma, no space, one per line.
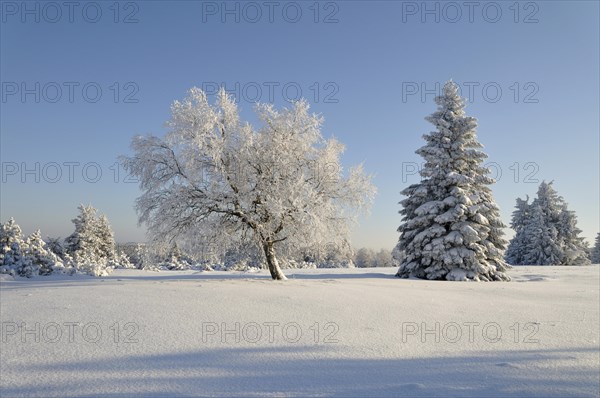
(90,249)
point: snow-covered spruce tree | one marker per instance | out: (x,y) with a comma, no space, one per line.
(41,257)
(515,253)
(106,238)
(568,248)
(84,241)
(451,225)
(575,248)
(143,259)
(87,244)
(56,246)
(541,245)
(121,260)
(595,255)
(176,260)
(26,257)
(546,232)
(213,178)
(107,248)
(13,248)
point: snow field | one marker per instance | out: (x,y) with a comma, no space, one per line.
(326,332)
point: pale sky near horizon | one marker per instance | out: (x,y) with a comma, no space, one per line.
(79,80)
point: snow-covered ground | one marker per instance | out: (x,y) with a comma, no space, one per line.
(350,332)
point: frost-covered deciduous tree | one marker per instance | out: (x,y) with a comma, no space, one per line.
(451,225)
(364,258)
(335,256)
(383,258)
(397,256)
(241,256)
(546,232)
(595,255)
(214,178)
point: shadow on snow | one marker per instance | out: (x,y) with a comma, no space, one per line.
(311,371)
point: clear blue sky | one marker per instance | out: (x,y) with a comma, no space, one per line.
(366,63)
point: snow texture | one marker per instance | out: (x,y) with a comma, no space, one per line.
(367,343)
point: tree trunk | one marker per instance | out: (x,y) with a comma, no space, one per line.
(272,261)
